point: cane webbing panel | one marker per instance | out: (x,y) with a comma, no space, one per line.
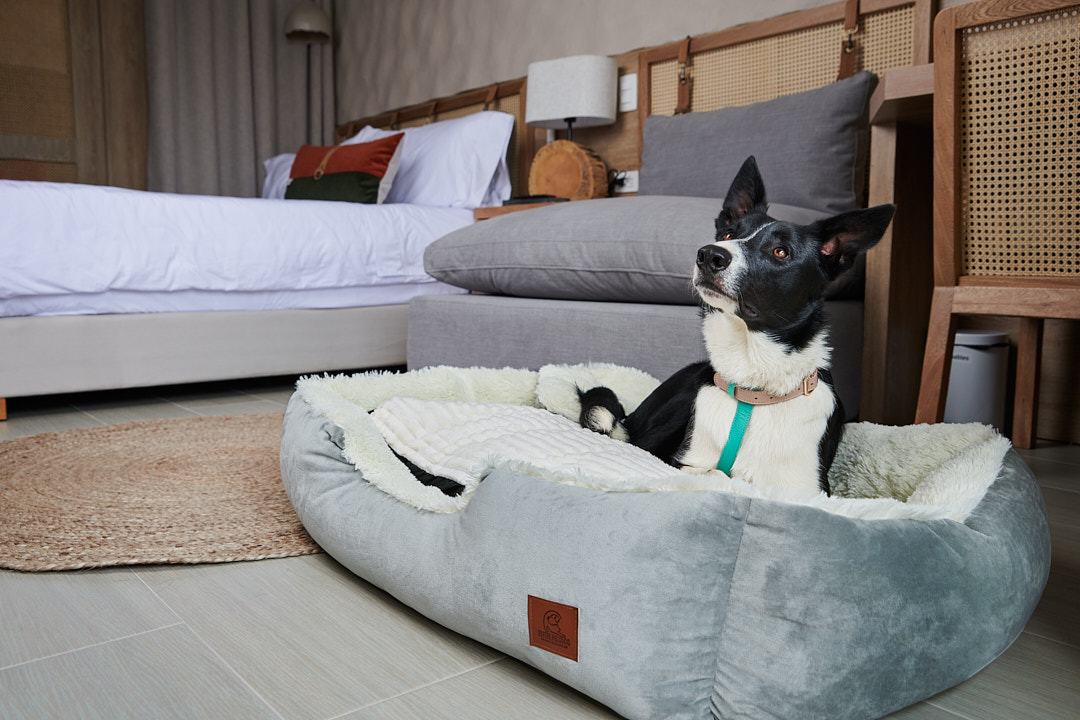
(663,87)
(764,69)
(1018,104)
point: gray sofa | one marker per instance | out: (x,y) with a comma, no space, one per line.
(486,331)
(609,280)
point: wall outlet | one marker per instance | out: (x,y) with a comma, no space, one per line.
(630,182)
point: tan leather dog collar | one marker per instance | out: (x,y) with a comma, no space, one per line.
(760,397)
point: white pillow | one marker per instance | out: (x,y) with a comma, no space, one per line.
(277,175)
(452,163)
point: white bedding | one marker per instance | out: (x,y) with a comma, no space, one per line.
(84,249)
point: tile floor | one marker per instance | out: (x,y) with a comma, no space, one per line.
(302,638)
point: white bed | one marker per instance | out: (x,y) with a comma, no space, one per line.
(91,250)
(104,288)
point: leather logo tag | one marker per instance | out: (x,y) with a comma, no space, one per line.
(553,627)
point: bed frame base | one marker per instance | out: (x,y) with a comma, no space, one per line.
(47,355)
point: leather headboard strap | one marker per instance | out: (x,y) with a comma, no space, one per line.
(849,46)
(682,105)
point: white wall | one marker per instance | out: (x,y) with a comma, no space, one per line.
(393,53)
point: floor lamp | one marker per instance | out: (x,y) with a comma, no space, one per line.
(308,23)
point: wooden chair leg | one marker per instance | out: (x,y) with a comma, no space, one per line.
(3,408)
(1026,398)
(937,360)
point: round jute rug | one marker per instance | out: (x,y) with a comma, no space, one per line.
(193,490)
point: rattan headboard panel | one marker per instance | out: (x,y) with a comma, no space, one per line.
(1019,165)
(783,64)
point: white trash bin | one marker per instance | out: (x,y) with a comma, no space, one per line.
(977,379)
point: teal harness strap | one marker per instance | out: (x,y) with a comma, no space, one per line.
(735,437)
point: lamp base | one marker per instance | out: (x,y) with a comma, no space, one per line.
(568,170)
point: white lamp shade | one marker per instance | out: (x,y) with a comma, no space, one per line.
(583,87)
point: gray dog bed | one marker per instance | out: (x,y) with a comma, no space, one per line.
(670,594)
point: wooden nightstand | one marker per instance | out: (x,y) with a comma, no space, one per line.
(489,212)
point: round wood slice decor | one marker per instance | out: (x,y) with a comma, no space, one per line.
(566,169)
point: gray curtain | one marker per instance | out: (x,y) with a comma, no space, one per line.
(227,90)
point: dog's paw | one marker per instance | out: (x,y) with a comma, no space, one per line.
(599,419)
(601,412)
(603,421)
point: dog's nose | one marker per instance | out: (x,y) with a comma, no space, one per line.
(713,259)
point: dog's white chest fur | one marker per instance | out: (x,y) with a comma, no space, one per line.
(780,446)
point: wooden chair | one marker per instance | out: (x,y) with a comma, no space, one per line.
(1006,184)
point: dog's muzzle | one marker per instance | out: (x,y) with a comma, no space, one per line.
(713,259)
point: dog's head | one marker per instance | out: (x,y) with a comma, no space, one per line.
(773,274)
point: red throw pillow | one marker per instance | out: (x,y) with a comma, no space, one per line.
(361,172)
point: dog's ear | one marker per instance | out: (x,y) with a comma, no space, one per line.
(846,235)
(747,191)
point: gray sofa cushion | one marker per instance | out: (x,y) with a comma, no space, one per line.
(810,147)
(632,249)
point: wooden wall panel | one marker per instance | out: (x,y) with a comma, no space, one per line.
(35,69)
(123,60)
(73,83)
(87,92)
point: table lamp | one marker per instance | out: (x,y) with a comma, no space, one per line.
(582,91)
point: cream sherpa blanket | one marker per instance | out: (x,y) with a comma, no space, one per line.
(464,423)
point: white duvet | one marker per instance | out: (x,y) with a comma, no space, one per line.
(60,242)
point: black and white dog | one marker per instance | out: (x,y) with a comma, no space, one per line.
(762,408)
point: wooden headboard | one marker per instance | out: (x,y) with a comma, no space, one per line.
(761,61)
(781,56)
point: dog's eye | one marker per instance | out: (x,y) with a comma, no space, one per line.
(780,252)
(729,235)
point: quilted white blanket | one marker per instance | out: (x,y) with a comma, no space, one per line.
(464,441)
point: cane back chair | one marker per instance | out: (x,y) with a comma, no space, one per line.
(1006,181)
